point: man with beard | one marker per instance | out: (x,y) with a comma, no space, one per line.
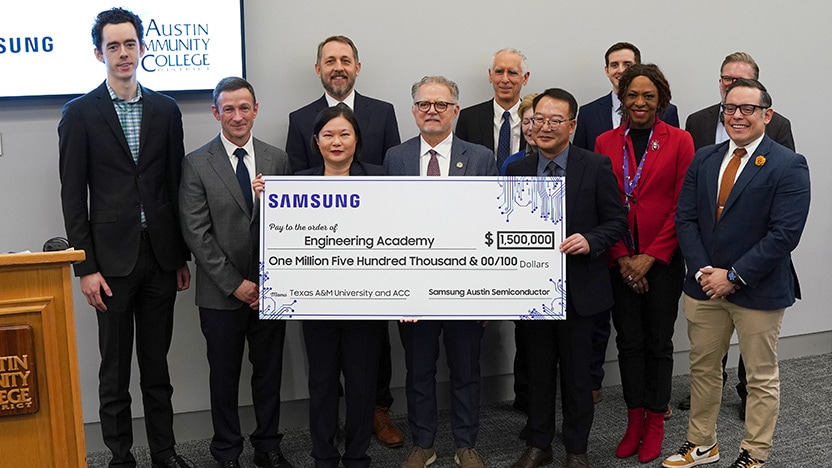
(338,67)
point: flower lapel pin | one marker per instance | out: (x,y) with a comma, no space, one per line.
(760,160)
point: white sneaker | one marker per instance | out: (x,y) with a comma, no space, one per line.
(691,454)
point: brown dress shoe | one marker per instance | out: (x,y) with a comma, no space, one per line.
(597,396)
(387,433)
(577,460)
(533,457)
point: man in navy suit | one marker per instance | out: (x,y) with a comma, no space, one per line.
(121,156)
(741,212)
(437,152)
(594,119)
(706,128)
(595,220)
(338,66)
(495,122)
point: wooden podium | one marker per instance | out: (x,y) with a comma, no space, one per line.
(41,423)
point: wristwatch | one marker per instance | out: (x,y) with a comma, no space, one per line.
(733,278)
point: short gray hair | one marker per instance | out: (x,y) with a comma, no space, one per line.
(524,66)
(441,80)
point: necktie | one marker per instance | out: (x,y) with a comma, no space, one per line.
(433,164)
(727,182)
(504,145)
(551,169)
(243,178)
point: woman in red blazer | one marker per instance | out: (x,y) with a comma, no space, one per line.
(650,159)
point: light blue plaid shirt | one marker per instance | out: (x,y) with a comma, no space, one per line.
(130,117)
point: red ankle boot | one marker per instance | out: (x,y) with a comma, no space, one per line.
(632,438)
(651,442)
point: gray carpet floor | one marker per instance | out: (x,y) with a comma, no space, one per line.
(802,437)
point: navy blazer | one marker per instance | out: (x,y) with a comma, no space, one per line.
(379,131)
(594,209)
(475,124)
(595,118)
(467,159)
(103,189)
(760,225)
(702,127)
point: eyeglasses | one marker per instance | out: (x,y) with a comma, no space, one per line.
(745,109)
(538,122)
(440,106)
(728,79)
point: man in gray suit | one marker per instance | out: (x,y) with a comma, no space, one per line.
(220,223)
(437,152)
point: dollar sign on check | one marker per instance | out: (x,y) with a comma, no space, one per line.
(489,239)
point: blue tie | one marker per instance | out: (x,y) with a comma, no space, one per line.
(504,145)
(243,178)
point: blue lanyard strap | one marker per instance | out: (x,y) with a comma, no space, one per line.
(630,184)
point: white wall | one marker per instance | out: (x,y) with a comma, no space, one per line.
(399,43)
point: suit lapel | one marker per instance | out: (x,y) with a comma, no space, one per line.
(575,166)
(711,170)
(748,173)
(221,163)
(605,113)
(148,107)
(264,163)
(459,159)
(108,111)
(659,136)
(411,164)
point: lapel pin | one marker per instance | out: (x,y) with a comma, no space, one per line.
(655,145)
(459,165)
(760,160)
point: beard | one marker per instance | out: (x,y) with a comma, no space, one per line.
(338,92)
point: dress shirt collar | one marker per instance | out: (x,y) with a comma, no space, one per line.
(349,100)
(514,121)
(560,159)
(115,97)
(443,153)
(616,115)
(231,147)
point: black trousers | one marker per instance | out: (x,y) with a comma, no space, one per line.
(462,340)
(142,304)
(601,331)
(565,345)
(384,398)
(645,325)
(333,347)
(226,332)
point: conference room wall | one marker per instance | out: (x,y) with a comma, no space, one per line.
(399,42)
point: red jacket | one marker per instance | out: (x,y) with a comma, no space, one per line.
(669,153)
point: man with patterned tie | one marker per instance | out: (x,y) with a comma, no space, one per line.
(495,123)
(740,213)
(221,224)
(436,152)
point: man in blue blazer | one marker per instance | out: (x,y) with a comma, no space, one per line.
(595,118)
(437,152)
(121,155)
(595,220)
(338,66)
(741,212)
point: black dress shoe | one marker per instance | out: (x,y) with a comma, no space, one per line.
(684,404)
(272,459)
(229,464)
(577,460)
(174,461)
(533,457)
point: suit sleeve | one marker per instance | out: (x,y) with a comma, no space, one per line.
(580,139)
(787,217)
(296,147)
(666,242)
(176,153)
(73,169)
(612,219)
(687,220)
(197,229)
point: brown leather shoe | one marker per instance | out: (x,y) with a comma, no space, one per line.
(669,413)
(533,457)
(577,460)
(597,396)
(387,433)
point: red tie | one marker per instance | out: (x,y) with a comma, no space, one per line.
(728,180)
(433,164)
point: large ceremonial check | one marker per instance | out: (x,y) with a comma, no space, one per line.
(479,248)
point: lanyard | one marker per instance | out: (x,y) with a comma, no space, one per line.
(630,184)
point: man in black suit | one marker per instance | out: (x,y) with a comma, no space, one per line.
(595,220)
(221,225)
(495,123)
(707,128)
(120,160)
(595,118)
(338,67)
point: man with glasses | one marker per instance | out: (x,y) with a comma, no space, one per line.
(706,127)
(741,212)
(437,152)
(338,66)
(595,220)
(495,123)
